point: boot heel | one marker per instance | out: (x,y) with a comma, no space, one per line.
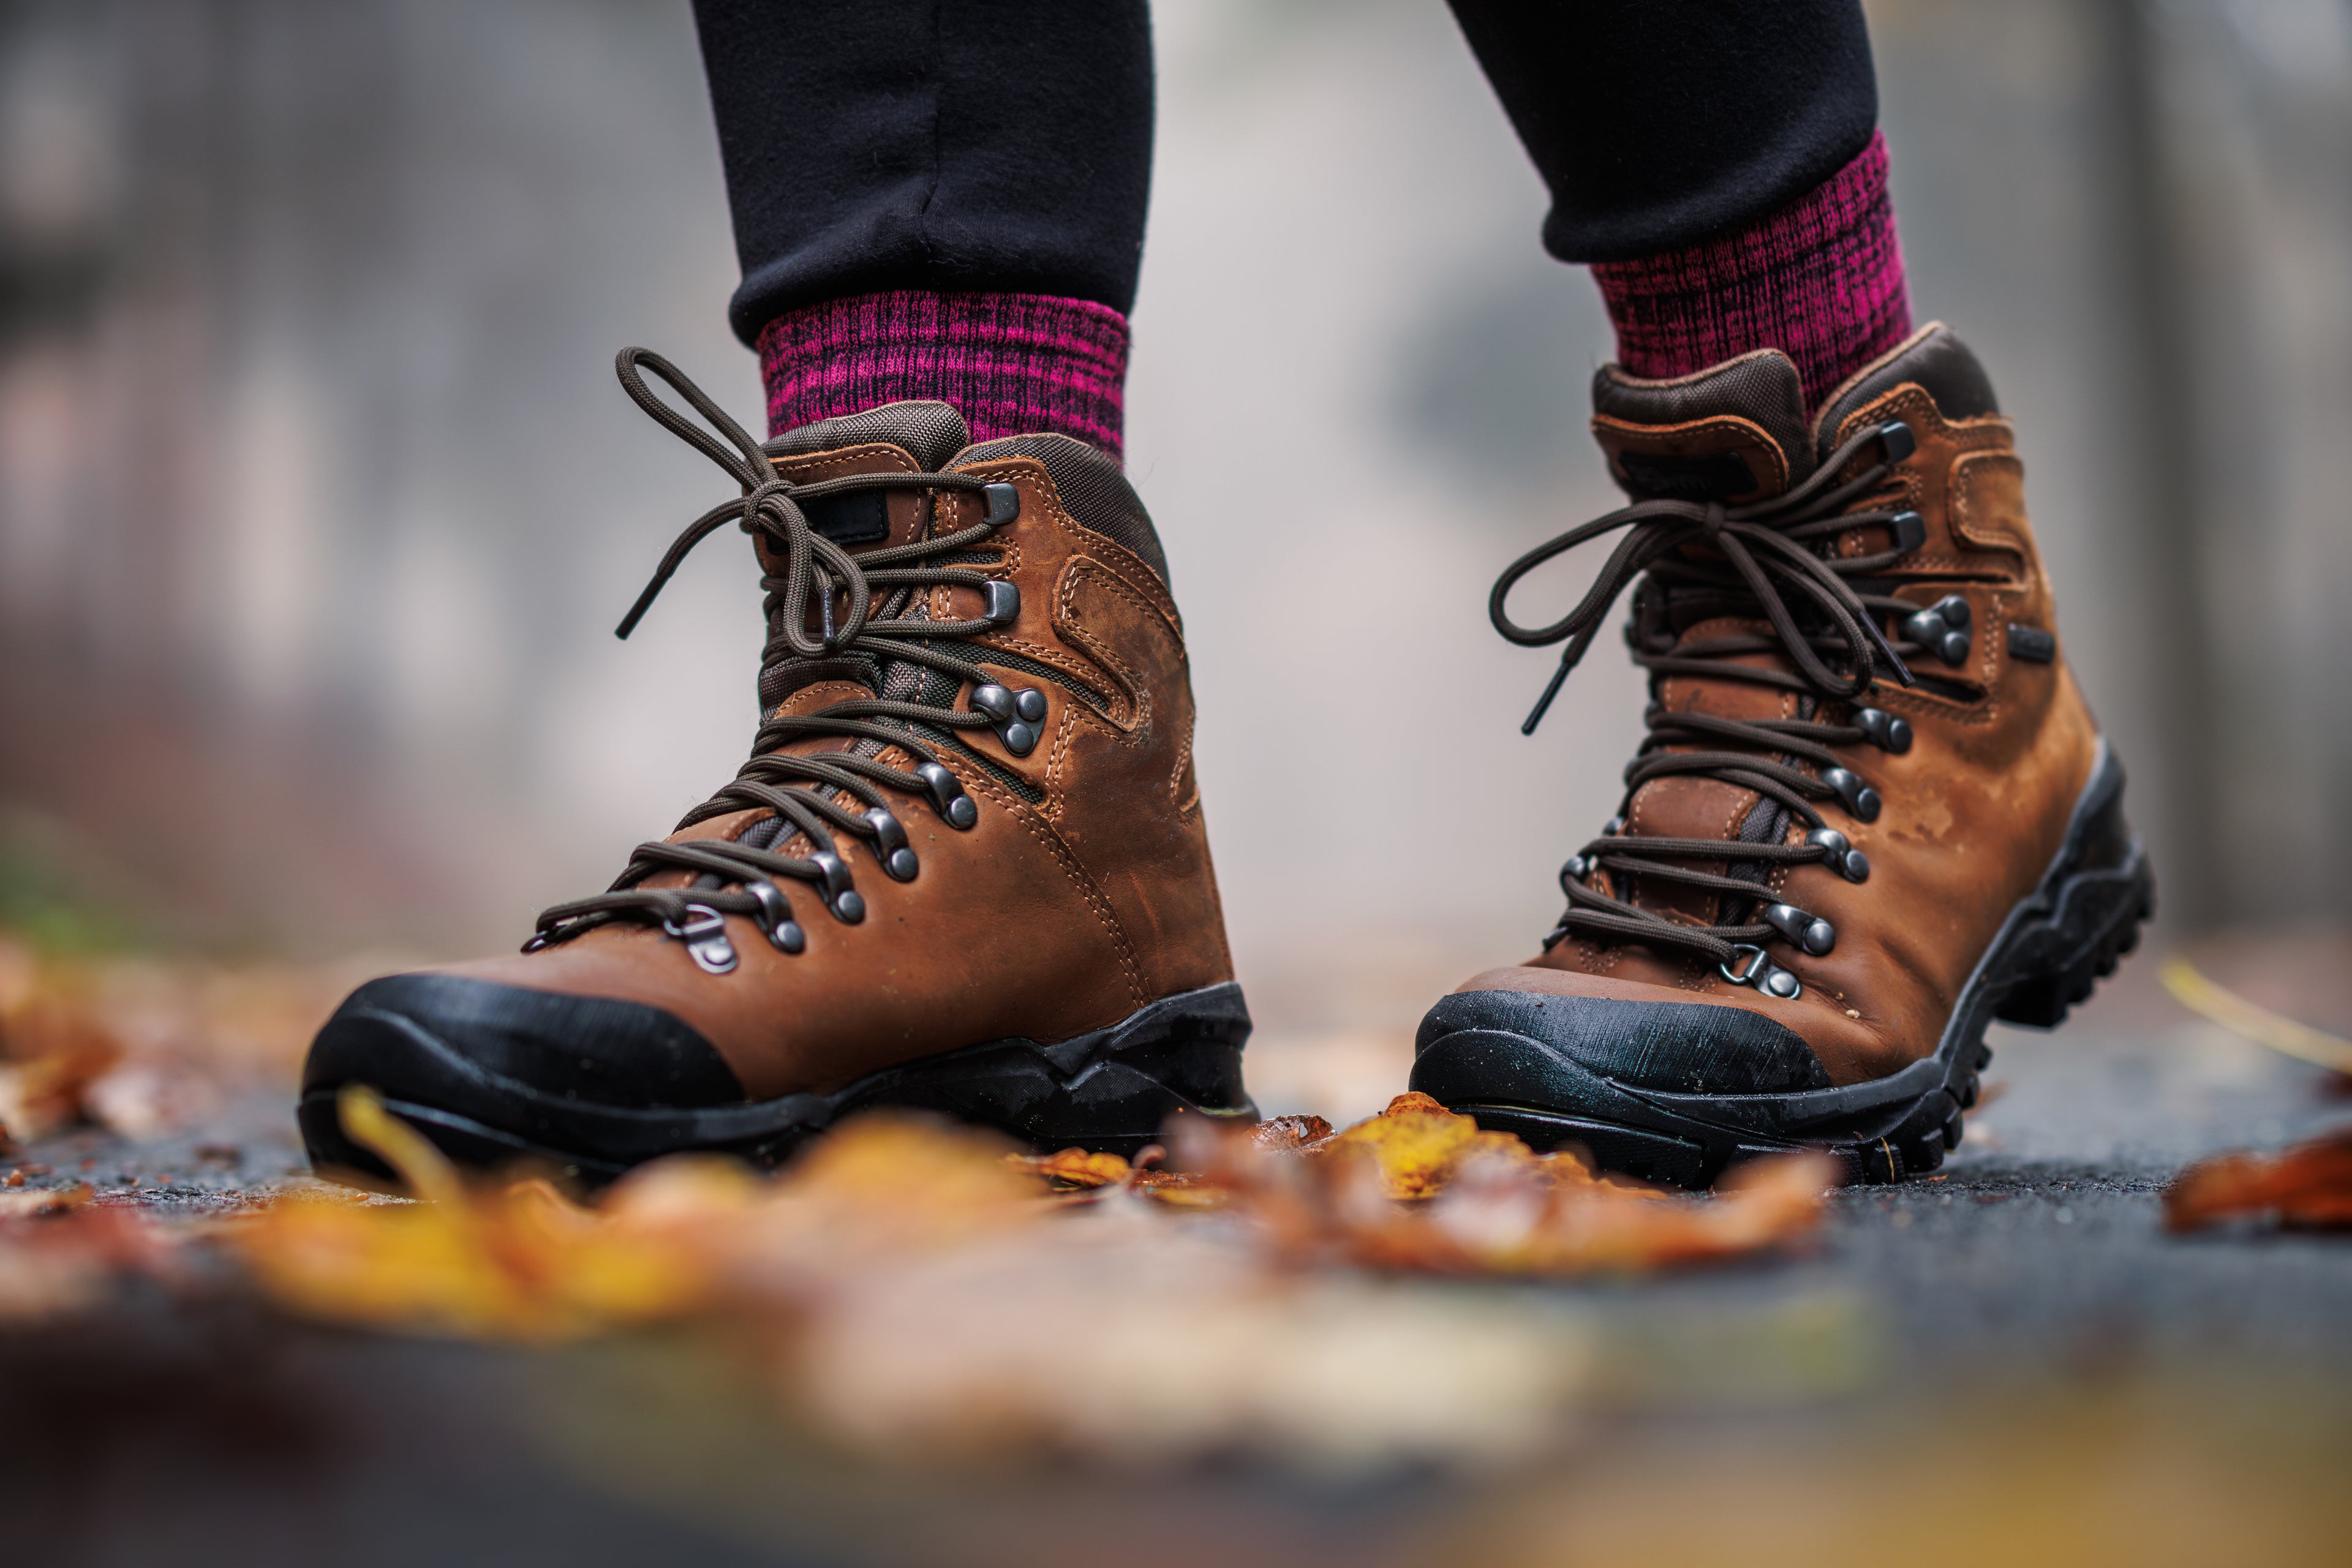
(1111,1091)
(2095,908)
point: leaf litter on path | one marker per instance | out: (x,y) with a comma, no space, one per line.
(913,1286)
(2308,1186)
(905,1284)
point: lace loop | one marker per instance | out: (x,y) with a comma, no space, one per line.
(1754,540)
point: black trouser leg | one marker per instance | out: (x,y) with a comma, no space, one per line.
(946,144)
(1660,124)
(1006,144)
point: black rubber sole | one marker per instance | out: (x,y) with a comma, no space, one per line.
(1476,1056)
(1110,1091)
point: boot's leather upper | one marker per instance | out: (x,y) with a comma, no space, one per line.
(1082,889)
(1968,812)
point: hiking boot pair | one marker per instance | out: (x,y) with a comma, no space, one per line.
(964,870)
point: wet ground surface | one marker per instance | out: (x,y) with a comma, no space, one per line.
(2018,1318)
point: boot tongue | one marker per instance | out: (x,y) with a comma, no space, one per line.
(1735,433)
(928,432)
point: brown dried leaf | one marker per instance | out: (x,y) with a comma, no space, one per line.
(60,1252)
(2307,1186)
(1290,1134)
(1182,1189)
(1505,1216)
(40,1095)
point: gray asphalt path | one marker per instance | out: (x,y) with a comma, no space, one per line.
(2027,1290)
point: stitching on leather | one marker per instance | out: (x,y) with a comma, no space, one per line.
(1081,568)
(1059,658)
(1188,805)
(1751,434)
(1960,501)
(1121,561)
(1054,759)
(1130,966)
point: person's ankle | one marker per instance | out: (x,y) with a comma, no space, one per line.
(1821,281)
(1010,363)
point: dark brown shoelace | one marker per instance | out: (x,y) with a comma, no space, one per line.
(1753,561)
(824,623)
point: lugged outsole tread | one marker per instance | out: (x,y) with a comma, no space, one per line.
(1109,1092)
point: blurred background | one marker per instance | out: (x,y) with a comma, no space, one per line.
(318,501)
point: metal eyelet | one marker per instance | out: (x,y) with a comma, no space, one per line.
(1804,929)
(1761,974)
(1842,856)
(776,917)
(1011,713)
(704,932)
(948,796)
(999,602)
(1942,628)
(1910,531)
(891,846)
(1861,800)
(1895,441)
(1613,828)
(1886,730)
(1004,502)
(993,702)
(840,895)
(1576,869)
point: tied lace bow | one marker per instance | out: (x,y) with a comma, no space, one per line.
(1741,563)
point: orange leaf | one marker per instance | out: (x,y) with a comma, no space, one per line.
(2309,1184)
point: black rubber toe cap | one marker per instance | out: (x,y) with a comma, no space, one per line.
(1674,1047)
(439,1039)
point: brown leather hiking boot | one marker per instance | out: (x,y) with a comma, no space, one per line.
(1871,813)
(964,869)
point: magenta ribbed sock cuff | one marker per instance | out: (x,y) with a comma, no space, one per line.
(1821,280)
(1011,365)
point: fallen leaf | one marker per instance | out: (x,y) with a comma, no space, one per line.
(916,1286)
(1075,1168)
(147,1099)
(2307,1186)
(2288,1037)
(53,1043)
(60,1252)
(513,1261)
(1419,1145)
(1285,1133)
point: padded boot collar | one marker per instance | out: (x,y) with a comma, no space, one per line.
(1733,433)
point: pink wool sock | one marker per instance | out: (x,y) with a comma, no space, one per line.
(1821,280)
(1012,364)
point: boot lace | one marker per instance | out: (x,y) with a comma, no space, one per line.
(825,623)
(1770,560)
